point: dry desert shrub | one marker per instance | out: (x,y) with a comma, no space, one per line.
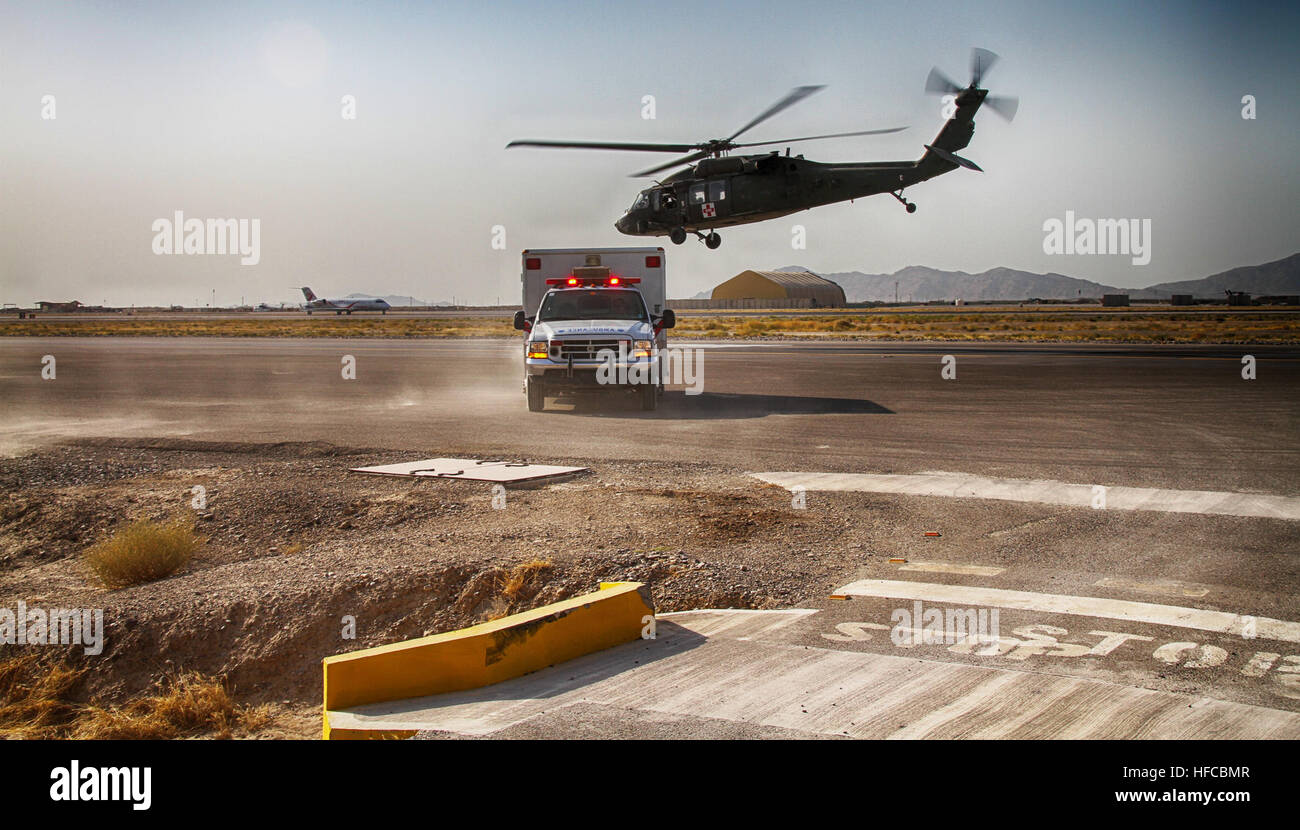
(525,575)
(143,551)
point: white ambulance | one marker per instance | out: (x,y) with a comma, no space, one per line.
(594,321)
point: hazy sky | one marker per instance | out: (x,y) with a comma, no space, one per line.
(233,110)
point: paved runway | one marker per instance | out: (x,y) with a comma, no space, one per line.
(1178,417)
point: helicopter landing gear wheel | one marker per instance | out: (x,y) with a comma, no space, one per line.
(677,235)
(712,241)
(911,206)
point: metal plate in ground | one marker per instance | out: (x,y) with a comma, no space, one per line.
(503,472)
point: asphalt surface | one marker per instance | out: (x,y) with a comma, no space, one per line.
(1177,417)
(1181,418)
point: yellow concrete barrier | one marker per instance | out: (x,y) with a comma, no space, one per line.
(484,654)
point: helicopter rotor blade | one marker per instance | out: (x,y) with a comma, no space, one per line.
(1004,105)
(795,96)
(608,145)
(817,137)
(981,60)
(691,159)
(940,83)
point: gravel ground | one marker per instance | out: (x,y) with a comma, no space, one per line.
(294,543)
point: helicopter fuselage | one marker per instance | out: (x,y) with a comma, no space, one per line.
(756,189)
(737,190)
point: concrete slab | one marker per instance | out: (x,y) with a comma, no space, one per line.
(744,667)
(501,472)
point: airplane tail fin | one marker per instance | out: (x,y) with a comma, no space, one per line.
(307,292)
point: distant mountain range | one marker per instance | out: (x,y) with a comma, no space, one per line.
(917,283)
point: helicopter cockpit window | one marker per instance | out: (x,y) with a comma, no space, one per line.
(717,191)
(641,202)
(697,194)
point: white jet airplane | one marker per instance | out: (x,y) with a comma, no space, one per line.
(343,306)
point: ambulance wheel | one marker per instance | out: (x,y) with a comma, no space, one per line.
(536,396)
(649,396)
(712,241)
(677,235)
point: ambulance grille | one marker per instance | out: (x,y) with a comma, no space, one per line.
(583,349)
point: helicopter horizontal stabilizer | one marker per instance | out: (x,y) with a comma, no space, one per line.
(954,158)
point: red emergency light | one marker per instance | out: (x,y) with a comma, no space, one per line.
(533,263)
(593,282)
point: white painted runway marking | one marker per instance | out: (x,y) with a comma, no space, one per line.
(1042,491)
(952,568)
(1217,621)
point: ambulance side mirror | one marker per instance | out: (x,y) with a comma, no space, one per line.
(669,319)
(521,322)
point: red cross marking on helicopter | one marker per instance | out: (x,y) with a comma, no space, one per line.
(709,211)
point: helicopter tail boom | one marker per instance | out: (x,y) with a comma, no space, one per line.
(941,154)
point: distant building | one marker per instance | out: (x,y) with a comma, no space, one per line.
(783,286)
(48,306)
(1238,298)
(1182,299)
(1114,300)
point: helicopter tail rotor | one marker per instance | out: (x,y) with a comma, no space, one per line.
(981,61)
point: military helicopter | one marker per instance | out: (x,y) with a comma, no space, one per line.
(718,189)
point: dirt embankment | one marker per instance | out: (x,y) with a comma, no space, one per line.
(295,547)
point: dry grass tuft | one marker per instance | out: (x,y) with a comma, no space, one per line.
(142,552)
(524,576)
(1065,326)
(318,326)
(35,704)
(34,696)
(189,704)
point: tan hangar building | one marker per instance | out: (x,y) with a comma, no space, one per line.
(782,285)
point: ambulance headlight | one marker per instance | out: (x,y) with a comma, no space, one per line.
(537,350)
(642,348)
